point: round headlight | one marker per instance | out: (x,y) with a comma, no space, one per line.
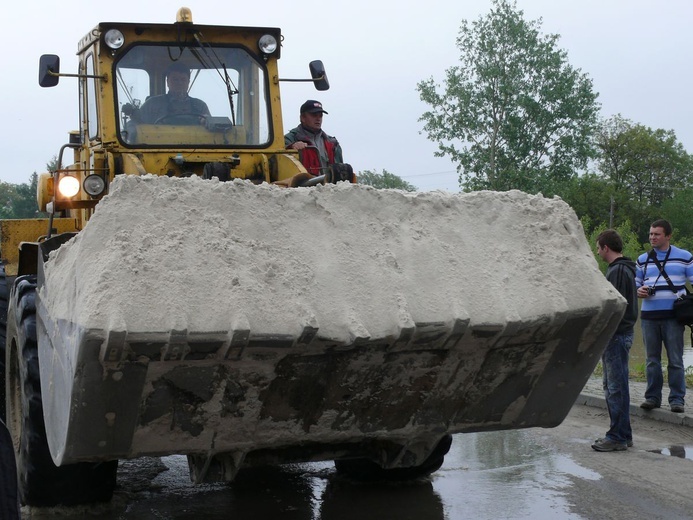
(267,44)
(94,185)
(68,186)
(114,39)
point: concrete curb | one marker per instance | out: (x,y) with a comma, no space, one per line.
(592,395)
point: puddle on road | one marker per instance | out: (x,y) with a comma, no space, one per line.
(507,471)
(485,476)
(682,452)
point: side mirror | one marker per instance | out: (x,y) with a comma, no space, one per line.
(317,72)
(49,68)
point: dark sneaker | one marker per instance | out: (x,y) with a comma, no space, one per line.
(649,404)
(677,408)
(609,445)
(630,443)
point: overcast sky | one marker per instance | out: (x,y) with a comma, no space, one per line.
(637,52)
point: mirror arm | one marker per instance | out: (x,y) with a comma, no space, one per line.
(309,79)
(104,77)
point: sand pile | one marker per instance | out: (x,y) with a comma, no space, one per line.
(169,253)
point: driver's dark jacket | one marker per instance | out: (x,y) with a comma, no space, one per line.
(313,159)
(158,107)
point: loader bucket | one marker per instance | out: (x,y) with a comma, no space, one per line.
(199,317)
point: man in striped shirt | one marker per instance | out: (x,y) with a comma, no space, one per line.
(657,314)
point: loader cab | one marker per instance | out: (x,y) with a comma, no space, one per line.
(172,95)
(230,126)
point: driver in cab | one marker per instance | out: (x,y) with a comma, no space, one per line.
(175,107)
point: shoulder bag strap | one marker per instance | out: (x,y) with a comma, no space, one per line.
(653,254)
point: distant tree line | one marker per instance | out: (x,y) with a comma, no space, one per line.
(514,114)
(384,180)
(19,200)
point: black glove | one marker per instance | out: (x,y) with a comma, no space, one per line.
(130,110)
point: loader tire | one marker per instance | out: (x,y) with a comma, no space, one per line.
(41,482)
(365,470)
(219,170)
(4,297)
(9,499)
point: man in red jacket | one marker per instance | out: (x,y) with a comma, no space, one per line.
(317,150)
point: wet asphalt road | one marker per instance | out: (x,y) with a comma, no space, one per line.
(536,473)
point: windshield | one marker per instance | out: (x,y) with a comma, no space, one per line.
(172,95)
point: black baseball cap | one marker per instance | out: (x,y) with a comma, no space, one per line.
(312,107)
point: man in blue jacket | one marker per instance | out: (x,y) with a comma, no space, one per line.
(661,276)
(621,274)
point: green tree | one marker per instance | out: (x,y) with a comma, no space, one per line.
(590,196)
(384,180)
(52,165)
(646,169)
(679,211)
(8,195)
(26,205)
(514,113)
(19,200)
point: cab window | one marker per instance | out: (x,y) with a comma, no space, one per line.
(187,97)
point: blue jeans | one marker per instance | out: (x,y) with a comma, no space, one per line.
(669,332)
(616,387)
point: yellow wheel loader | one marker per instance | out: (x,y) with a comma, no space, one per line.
(194,290)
